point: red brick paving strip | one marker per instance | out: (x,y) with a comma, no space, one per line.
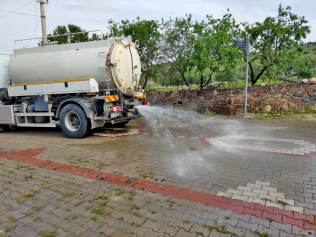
(238,206)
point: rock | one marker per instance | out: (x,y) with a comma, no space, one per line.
(200,98)
(284,106)
(251,100)
(313,107)
(291,105)
(262,84)
(215,92)
(174,94)
(267,108)
(236,101)
(310,90)
(306,99)
(271,100)
(304,81)
(193,106)
(313,95)
(313,80)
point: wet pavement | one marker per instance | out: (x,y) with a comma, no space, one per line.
(162,176)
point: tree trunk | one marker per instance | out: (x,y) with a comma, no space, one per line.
(201,82)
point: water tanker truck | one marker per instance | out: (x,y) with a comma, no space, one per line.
(81,86)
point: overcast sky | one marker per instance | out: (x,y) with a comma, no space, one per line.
(94,14)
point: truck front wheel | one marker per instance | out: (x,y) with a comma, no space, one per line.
(74,122)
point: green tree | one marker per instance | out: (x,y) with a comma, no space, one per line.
(213,47)
(69,29)
(176,45)
(95,37)
(275,41)
(146,35)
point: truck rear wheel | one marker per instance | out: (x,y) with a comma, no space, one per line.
(74,122)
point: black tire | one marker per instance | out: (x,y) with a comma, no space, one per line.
(74,122)
(116,125)
(4,128)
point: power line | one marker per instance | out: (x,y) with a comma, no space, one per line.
(25,14)
(33,33)
(17,9)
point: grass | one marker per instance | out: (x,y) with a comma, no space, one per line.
(48,233)
(261,234)
(130,198)
(226,85)
(100,197)
(11,218)
(117,192)
(7,229)
(94,218)
(29,177)
(269,219)
(186,222)
(282,203)
(32,193)
(266,199)
(219,228)
(101,212)
(97,211)
(66,195)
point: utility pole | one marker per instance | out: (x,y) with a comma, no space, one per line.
(43,20)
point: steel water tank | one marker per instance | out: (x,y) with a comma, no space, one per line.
(115,60)
(4,72)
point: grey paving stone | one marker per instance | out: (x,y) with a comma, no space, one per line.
(284,234)
(259,221)
(166,219)
(199,230)
(183,233)
(184,224)
(181,215)
(120,233)
(282,227)
(222,212)
(245,218)
(152,216)
(89,233)
(197,219)
(171,230)
(121,225)
(248,226)
(271,232)
(152,225)
(150,233)
(137,230)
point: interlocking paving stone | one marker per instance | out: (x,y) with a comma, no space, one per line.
(285,174)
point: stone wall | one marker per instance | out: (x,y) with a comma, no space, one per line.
(275,98)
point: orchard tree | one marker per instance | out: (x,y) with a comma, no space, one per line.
(275,41)
(146,35)
(69,29)
(176,45)
(213,47)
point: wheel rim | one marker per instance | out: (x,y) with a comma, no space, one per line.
(72,121)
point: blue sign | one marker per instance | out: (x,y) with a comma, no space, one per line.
(240,43)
